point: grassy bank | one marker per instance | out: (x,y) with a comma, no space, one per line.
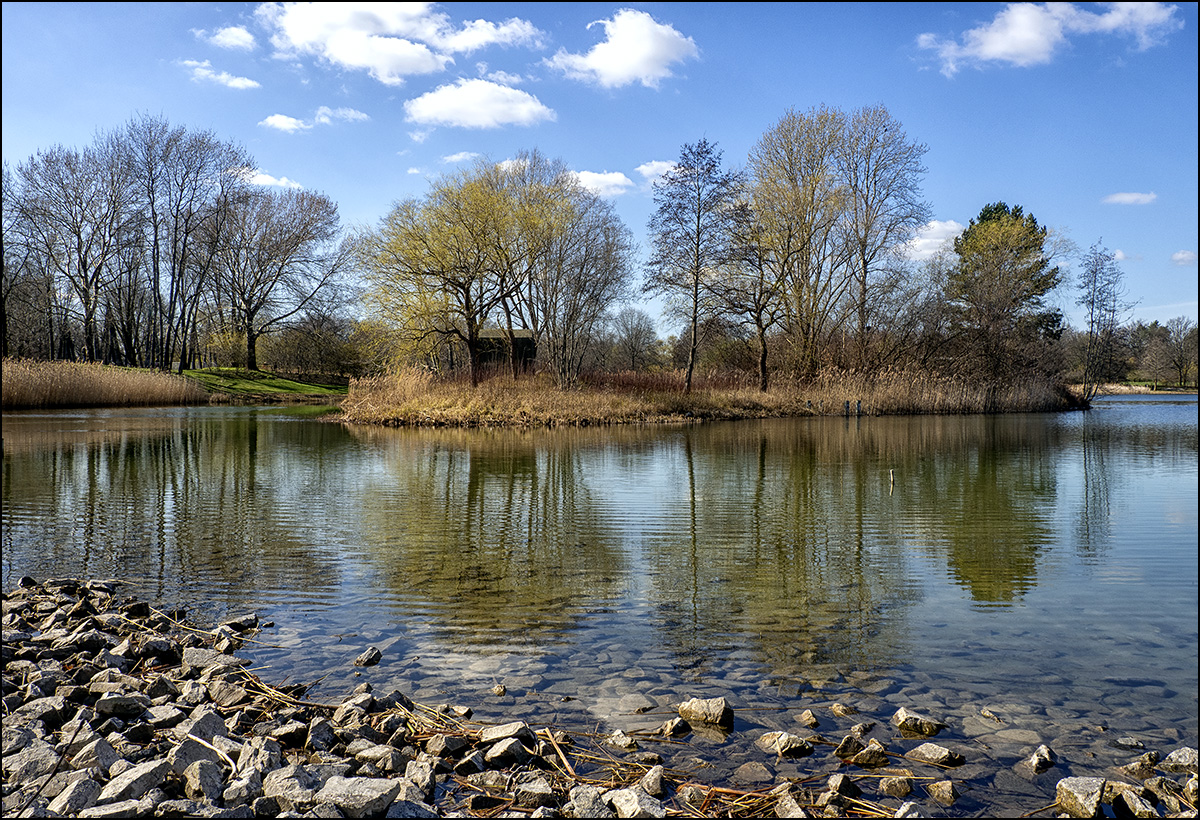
(415,398)
(31,384)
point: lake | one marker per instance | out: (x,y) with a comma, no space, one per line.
(1041,567)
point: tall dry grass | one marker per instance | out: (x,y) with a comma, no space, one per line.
(33,384)
(418,398)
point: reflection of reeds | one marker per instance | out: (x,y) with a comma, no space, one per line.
(413,398)
(28,384)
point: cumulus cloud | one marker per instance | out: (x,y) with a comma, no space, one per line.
(203,72)
(636,48)
(263,178)
(1184,258)
(390,41)
(652,170)
(476,104)
(461,156)
(231,37)
(1028,34)
(1130,199)
(606,183)
(932,237)
(282,122)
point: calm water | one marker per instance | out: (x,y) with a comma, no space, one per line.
(1041,566)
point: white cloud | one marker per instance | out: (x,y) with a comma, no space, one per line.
(282,122)
(461,156)
(932,237)
(476,104)
(326,115)
(636,48)
(414,171)
(389,41)
(653,169)
(232,37)
(263,178)
(504,78)
(1130,199)
(203,72)
(1184,258)
(1027,34)
(607,183)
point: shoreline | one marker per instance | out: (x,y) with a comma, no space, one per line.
(114,706)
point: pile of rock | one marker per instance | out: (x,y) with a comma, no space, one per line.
(114,709)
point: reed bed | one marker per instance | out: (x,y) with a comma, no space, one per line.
(418,398)
(33,384)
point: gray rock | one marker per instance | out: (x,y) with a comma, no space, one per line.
(753,772)
(916,723)
(98,754)
(1080,796)
(135,781)
(533,792)
(620,740)
(411,808)
(872,757)
(843,785)
(245,789)
(122,705)
(292,787)
(909,809)
(898,787)
(807,718)
(1180,761)
(187,752)
(506,752)
(652,781)
(122,808)
(382,757)
(786,806)
(35,760)
(1130,804)
(203,780)
(421,774)
(1143,767)
(1042,759)
(938,755)
(203,724)
(707,710)
(359,796)
(80,795)
(321,736)
(634,803)
(849,747)
(224,693)
(587,801)
(261,754)
(516,729)
(369,658)
(471,763)
(164,716)
(675,727)
(943,791)
(785,744)
(196,659)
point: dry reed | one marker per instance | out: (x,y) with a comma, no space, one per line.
(417,398)
(34,384)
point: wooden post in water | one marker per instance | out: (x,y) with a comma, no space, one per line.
(847,408)
(858,408)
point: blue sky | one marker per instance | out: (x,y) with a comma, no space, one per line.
(1084,114)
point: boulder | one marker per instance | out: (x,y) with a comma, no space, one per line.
(359,796)
(918,724)
(707,710)
(1080,796)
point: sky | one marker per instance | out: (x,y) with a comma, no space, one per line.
(1084,114)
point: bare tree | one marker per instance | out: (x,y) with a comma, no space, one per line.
(1101,296)
(690,236)
(634,338)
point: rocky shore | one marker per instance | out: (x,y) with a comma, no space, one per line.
(113,708)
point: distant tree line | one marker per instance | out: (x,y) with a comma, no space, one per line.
(153,247)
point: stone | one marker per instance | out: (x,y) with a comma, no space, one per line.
(203,724)
(753,772)
(135,781)
(652,781)
(1143,767)
(517,729)
(226,694)
(935,754)
(807,718)
(943,791)
(707,710)
(291,786)
(873,757)
(382,757)
(534,792)
(196,659)
(98,754)
(675,727)
(784,744)
(786,806)
(121,808)
(244,789)
(80,795)
(898,787)
(620,740)
(1042,759)
(634,803)
(122,705)
(321,737)
(1080,796)
(369,658)
(422,775)
(445,745)
(909,809)
(1180,761)
(587,801)
(506,752)
(1130,804)
(411,808)
(843,785)
(849,747)
(842,710)
(202,780)
(187,752)
(916,723)
(359,796)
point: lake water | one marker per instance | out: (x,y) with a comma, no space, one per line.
(1042,567)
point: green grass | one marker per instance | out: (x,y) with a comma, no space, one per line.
(259,384)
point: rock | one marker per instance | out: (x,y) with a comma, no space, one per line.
(786,806)
(849,747)
(919,724)
(943,791)
(98,754)
(122,808)
(359,796)
(784,744)
(753,772)
(634,803)
(710,710)
(203,724)
(321,736)
(807,718)
(187,752)
(1042,759)
(938,755)
(506,752)
(517,729)
(872,757)
(226,694)
(843,785)
(196,659)
(1143,767)
(411,808)
(1080,796)
(127,705)
(620,740)
(842,710)
(1130,804)
(1180,761)
(587,801)
(675,727)
(291,786)
(652,781)
(499,690)
(203,780)
(369,658)
(533,792)
(243,790)
(908,810)
(898,787)
(80,795)
(135,782)
(445,745)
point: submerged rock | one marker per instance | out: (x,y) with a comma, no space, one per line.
(707,710)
